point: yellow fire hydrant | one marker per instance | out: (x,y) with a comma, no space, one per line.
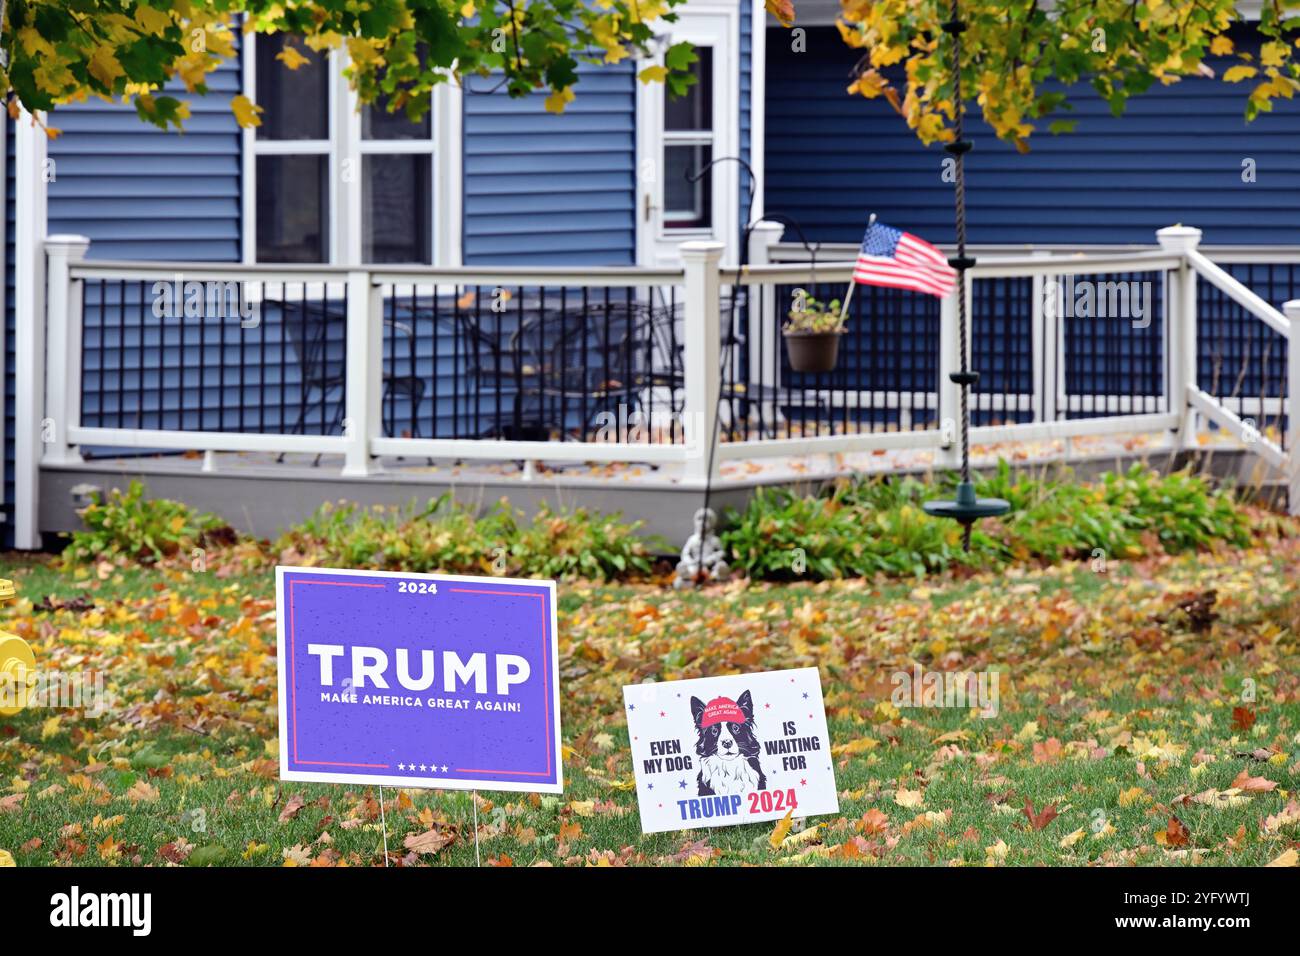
(17,663)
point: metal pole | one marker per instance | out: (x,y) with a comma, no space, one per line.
(848,294)
(478,860)
(848,297)
(383,824)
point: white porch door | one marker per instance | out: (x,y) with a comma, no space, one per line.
(679,197)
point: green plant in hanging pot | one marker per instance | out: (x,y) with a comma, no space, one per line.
(812,334)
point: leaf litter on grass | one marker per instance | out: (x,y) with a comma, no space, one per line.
(1147,715)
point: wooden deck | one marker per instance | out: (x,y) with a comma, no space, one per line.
(261,496)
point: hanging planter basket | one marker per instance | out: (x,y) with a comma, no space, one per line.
(812,336)
(812,351)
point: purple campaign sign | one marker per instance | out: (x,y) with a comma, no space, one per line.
(418,680)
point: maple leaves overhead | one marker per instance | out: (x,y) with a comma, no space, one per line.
(1010,52)
(62,51)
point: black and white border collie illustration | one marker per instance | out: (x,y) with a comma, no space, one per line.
(727,747)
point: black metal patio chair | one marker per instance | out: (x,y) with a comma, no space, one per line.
(317,331)
(583,363)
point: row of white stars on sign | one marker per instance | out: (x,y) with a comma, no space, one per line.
(422,767)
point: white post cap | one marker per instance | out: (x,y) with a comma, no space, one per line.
(1178,238)
(768,226)
(68,244)
(702,249)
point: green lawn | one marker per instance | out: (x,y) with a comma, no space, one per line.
(1126,717)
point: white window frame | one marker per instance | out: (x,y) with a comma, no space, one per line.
(345,145)
(714,23)
(692,137)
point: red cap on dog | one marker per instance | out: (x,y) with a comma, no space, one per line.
(720,709)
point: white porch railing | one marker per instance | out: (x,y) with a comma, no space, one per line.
(699,349)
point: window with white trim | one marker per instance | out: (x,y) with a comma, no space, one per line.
(334,183)
(688,149)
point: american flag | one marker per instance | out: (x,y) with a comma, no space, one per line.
(900,260)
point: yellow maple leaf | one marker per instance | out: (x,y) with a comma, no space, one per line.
(780,831)
(291,58)
(869,83)
(1273,54)
(1132,796)
(783,10)
(52,76)
(246,112)
(6,859)
(218,41)
(142,792)
(35,44)
(909,798)
(653,74)
(151,19)
(558,100)
(930,129)
(812,835)
(363,52)
(1289,858)
(323,41)
(952,737)
(1028,732)
(1238,73)
(1221,45)
(858,746)
(103,65)
(1070,839)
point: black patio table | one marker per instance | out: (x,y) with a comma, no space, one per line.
(561,360)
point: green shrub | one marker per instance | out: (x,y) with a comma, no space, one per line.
(146,529)
(440,537)
(580,543)
(779,530)
(1182,509)
(877,525)
(449,537)
(840,535)
(1053,520)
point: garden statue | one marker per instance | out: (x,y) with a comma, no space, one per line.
(703,558)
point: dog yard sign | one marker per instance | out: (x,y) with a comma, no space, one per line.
(719,751)
(418,680)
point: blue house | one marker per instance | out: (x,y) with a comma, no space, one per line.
(621,179)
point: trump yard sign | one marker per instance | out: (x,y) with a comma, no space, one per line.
(718,751)
(418,680)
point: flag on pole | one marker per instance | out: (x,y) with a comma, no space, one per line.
(891,257)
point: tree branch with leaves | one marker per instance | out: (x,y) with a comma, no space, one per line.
(63,51)
(1012,51)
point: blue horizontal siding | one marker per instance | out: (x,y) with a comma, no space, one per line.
(1175,156)
(546,189)
(140,192)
